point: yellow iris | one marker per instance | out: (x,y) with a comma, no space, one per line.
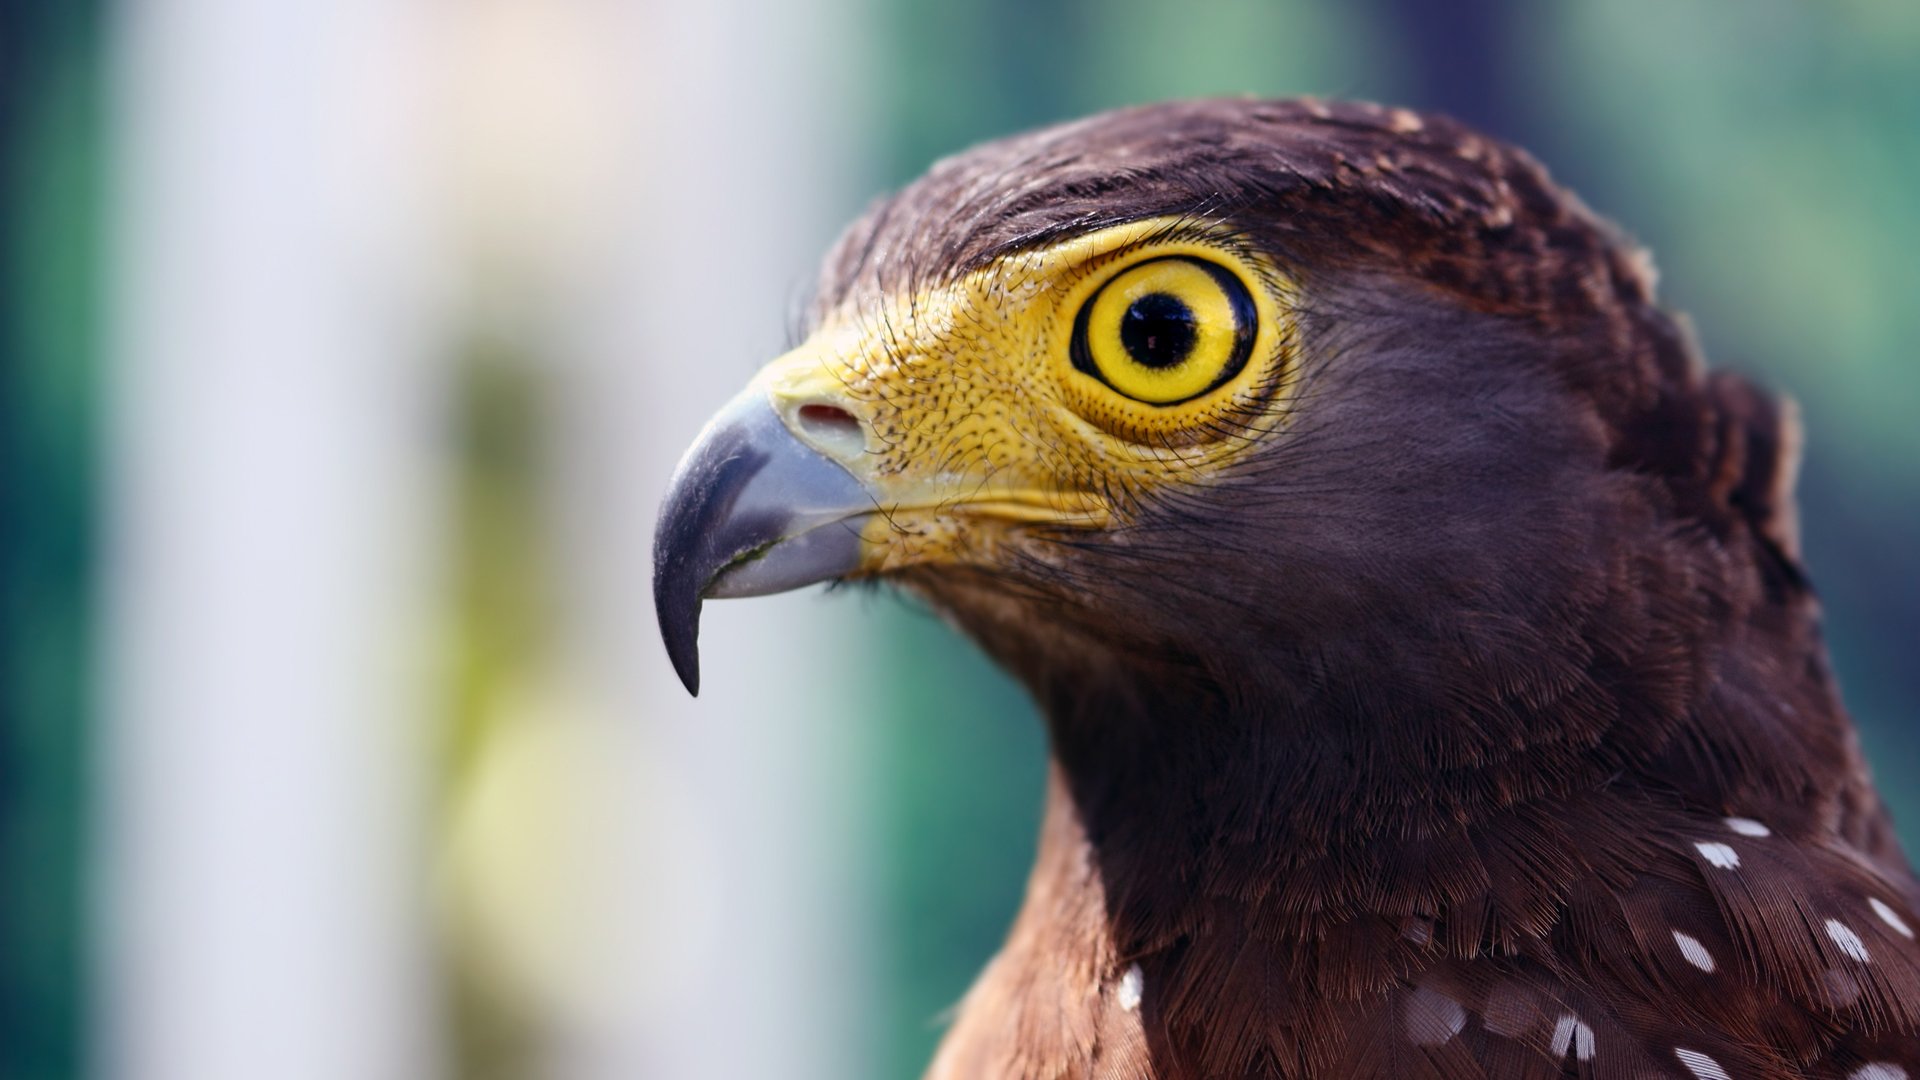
(1167,330)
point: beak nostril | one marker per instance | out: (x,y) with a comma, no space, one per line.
(828,416)
(831,427)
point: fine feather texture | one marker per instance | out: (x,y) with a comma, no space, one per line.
(1480,724)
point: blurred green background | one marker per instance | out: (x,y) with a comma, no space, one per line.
(1766,151)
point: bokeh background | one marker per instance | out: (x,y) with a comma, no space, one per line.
(345,349)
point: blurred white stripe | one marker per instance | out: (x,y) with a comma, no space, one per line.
(269,522)
(633,190)
(742,850)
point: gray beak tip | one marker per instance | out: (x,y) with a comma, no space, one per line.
(696,538)
(676,594)
(678,608)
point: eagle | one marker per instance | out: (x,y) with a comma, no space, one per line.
(1433,683)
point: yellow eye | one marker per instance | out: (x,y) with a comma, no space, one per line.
(1166,330)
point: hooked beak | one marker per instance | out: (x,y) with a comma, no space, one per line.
(752,510)
(790,485)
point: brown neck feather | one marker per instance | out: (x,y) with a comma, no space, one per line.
(1288,845)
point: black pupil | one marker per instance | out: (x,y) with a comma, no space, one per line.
(1158,331)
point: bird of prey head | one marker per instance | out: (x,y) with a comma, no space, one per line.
(1433,683)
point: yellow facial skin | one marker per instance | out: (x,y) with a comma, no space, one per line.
(974,422)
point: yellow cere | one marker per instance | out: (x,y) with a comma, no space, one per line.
(979,427)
